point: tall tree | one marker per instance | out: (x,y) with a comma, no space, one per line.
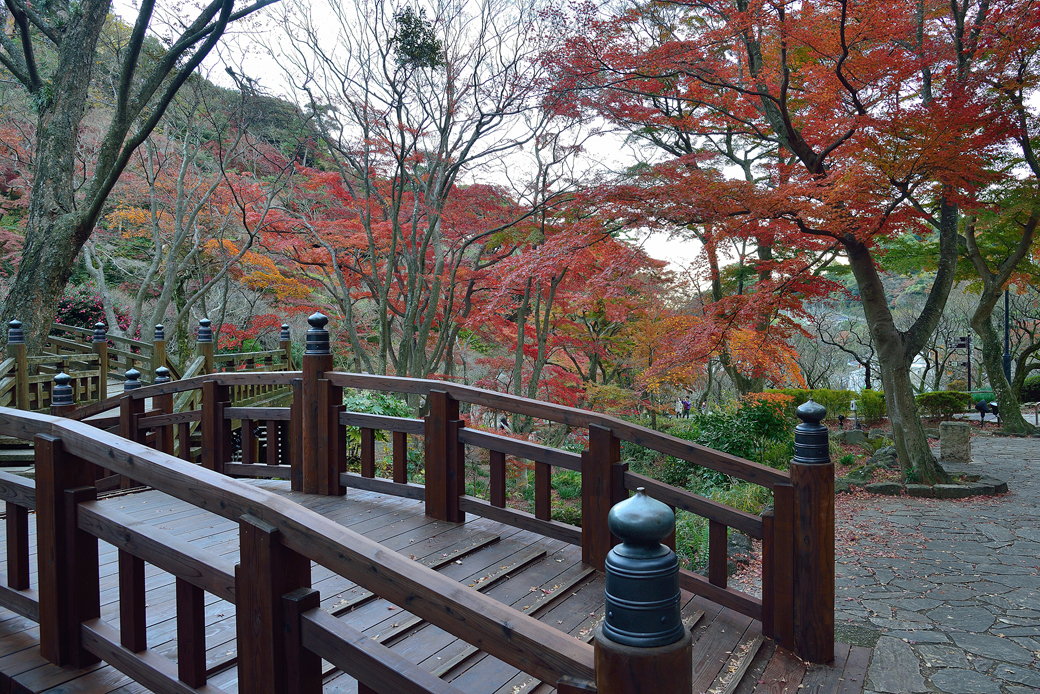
(65,204)
(879,116)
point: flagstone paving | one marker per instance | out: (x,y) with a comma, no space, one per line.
(950,590)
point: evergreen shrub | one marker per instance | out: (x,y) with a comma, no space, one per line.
(944,403)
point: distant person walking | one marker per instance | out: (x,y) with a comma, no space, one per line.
(678,408)
(686,408)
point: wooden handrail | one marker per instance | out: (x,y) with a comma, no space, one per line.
(502,632)
(663,443)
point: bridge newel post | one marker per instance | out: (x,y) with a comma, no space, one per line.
(298,659)
(643,638)
(812,476)
(99,341)
(131,410)
(319,469)
(16,351)
(602,486)
(267,570)
(445,458)
(66,564)
(285,343)
(216,429)
(204,345)
(163,403)
(159,351)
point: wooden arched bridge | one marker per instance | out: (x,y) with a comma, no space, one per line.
(267,575)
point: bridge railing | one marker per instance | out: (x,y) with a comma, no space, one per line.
(282,634)
(312,430)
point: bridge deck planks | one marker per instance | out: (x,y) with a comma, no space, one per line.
(401,526)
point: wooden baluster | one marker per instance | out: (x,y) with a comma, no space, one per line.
(368,452)
(216,430)
(248,443)
(267,571)
(400,457)
(598,491)
(294,436)
(133,625)
(497,495)
(543,491)
(783,565)
(16,350)
(317,359)
(718,539)
(445,479)
(17,528)
(184,441)
(272,441)
(191,634)
(333,440)
(304,665)
(768,571)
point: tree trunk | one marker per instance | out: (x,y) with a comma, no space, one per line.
(993,361)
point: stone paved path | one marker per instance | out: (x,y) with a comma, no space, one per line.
(952,587)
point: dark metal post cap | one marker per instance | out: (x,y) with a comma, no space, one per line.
(642,576)
(205,331)
(132,380)
(15,336)
(160,333)
(641,520)
(317,336)
(285,336)
(811,438)
(99,332)
(61,393)
(162,375)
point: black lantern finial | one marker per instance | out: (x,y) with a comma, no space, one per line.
(643,600)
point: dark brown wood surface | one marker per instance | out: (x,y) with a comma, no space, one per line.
(382,422)
(522,449)
(191,634)
(783,565)
(814,561)
(133,626)
(17,546)
(383,486)
(522,519)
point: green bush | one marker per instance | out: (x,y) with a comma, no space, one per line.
(836,401)
(758,428)
(1030,389)
(872,405)
(944,403)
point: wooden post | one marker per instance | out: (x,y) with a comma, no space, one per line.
(445,456)
(812,476)
(216,430)
(84,586)
(285,343)
(333,440)
(130,412)
(315,406)
(598,492)
(133,626)
(780,550)
(158,352)
(163,403)
(400,440)
(294,446)
(304,664)
(16,350)
(204,345)
(57,471)
(267,571)
(100,345)
(17,530)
